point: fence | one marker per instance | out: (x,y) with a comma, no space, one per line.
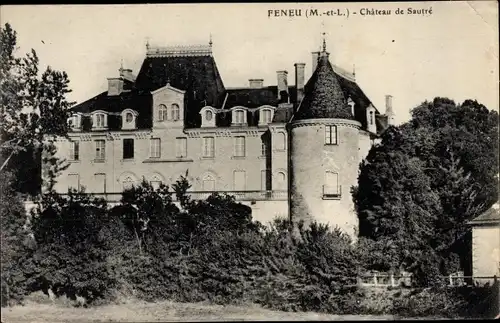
(453,280)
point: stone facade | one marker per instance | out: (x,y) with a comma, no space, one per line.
(158,126)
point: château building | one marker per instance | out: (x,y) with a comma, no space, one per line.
(285,150)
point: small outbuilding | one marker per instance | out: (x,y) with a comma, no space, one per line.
(486,245)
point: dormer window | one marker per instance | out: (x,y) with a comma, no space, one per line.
(265,116)
(207,116)
(350,102)
(75,121)
(175,112)
(162,112)
(129,119)
(239,116)
(100,120)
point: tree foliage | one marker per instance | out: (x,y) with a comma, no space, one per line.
(33,107)
(426,179)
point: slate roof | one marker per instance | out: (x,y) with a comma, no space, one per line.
(326,94)
(491,216)
(323,95)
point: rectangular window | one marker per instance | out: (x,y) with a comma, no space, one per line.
(181,147)
(155,149)
(330,135)
(331,187)
(128,148)
(239,146)
(239,181)
(208,146)
(239,117)
(100,149)
(266,116)
(74,150)
(175,112)
(263,180)
(100,183)
(99,121)
(74,182)
(263,148)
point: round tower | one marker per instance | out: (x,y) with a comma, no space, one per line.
(323,152)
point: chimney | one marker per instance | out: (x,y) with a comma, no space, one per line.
(299,80)
(126,73)
(256,83)
(388,110)
(115,86)
(282,83)
(315,57)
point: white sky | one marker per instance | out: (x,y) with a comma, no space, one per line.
(451,53)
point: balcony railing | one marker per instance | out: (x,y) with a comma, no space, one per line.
(332,192)
(276,195)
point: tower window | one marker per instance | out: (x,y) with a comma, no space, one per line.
(330,135)
(331,189)
(128,148)
(371,117)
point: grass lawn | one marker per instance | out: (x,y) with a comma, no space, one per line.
(162,311)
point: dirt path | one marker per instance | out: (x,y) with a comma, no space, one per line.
(162,311)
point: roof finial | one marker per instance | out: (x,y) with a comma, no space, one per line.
(147,42)
(354,70)
(324,42)
(210,42)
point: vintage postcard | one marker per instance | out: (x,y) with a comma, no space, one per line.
(250,161)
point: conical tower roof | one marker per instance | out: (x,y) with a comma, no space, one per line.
(323,95)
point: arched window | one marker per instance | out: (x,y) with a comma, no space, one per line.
(208,184)
(281,141)
(162,112)
(129,117)
(127,183)
(209,115)
(281,181)
(239,117)
(155,182)
(265,116)
(175,112)
(100,121)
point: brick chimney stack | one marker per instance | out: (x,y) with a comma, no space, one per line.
(300,80)
(256,83)
(282,84)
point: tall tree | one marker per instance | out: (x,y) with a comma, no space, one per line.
(441,167)
(32,107)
